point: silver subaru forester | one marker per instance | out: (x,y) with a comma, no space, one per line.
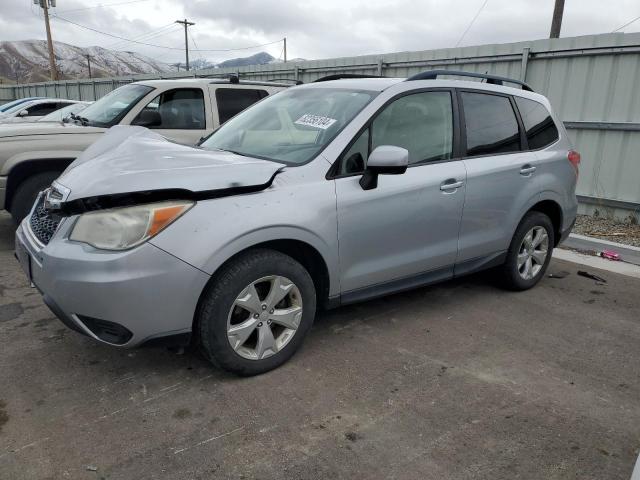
(324,194)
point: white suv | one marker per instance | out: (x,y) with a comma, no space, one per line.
(182,110)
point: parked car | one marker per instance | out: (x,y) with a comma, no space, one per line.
(325,194)
(63,114)
(182,110)
(13,103)
(33,110)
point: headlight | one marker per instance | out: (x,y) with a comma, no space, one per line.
(123,228)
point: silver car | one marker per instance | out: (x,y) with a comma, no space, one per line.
(321,195)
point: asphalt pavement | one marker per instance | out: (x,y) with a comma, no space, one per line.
(457,381)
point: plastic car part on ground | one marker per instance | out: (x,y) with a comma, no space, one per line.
(592,276)
(609,255)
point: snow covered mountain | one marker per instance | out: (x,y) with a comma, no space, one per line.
(28,61)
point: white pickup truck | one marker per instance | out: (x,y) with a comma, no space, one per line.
(183,110)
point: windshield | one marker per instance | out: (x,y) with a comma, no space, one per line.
(110,109)
(292,126)
(58,115)
(10,105)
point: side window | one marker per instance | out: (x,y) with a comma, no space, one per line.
(538,124)
(231,101)
(42,109)
(491,124)
(422,123)
(179,109)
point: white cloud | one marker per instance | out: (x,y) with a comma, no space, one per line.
(314,28)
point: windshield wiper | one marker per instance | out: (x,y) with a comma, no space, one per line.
(78,119)
(232,151)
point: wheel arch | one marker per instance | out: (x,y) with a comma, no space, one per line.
(553,210)
(303,252)
(24,169)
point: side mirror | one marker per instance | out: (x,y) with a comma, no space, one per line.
(23,113)
(384,160)
(148,118)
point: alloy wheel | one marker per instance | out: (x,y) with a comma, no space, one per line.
(264,317)
(533,252)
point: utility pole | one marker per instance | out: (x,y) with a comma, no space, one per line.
(45,4)
(89,64)
(556,23)
(285,49)
(186,41)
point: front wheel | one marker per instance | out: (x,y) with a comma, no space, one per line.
(529,253)
(256,313)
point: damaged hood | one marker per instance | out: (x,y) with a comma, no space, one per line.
(134,160)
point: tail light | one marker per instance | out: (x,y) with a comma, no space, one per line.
(574,158)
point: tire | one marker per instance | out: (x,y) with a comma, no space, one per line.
(220,312)
(26,193)
(514,273)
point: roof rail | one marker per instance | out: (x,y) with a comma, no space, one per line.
(340,76)
(234,79)
(282,80)
(493,79)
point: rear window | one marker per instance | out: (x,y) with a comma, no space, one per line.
(231,101)
(540,128)
(491,124)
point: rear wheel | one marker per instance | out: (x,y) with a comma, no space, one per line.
(529,253)
(257,312)
(26,193)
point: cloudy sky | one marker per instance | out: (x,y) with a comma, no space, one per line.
(314,28)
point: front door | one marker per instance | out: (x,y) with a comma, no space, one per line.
(405,231)
(181,115)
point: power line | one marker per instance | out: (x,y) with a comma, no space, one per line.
(58,17)
(167,29)
(472,22)
(101,5)
(626,25)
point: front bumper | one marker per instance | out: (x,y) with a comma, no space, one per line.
(120,298)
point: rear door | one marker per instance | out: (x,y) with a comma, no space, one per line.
(499,176)
(405,231)
(230,101)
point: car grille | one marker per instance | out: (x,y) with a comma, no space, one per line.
(43,224)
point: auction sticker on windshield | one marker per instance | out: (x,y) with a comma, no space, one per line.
(316,121)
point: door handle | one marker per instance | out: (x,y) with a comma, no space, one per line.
(450,184)
(527,170)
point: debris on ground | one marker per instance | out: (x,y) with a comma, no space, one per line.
(609,255)
(592,276)
(605,229)
(561,274)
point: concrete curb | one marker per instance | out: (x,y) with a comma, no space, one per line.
(627,253)
(622,268)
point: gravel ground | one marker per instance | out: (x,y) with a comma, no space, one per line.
(606,229)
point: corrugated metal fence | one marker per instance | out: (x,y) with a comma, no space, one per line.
(591,81)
